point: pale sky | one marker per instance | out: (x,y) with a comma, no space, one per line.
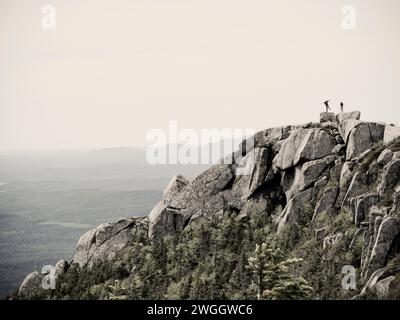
(112,70)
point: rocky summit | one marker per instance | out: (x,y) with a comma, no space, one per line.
(325,193)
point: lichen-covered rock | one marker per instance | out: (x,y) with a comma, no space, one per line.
(103,242)
(363,137)
(176,184)
(304,145)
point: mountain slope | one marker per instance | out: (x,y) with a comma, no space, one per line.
(327,193)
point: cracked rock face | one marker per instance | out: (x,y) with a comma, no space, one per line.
(187,199)
(306,175)
(295,208)
(346,126)
(327,201)
(304,145)
(102,243)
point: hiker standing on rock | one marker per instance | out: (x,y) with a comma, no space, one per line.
(327,106)
(341,107)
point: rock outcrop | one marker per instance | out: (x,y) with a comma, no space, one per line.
(391,133)
(30,284)
(304,145)
(298,176)
(388,232)
(363,137)
(342,116)
(106,240)
(390,177)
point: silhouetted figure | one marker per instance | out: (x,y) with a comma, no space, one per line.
(328,108)
(341,107)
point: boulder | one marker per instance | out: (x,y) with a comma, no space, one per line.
(31,284)
(376,215)
(304,145)
(305,175)
(296,209)
(336,171)
(176,184)
(264,138)
(363,204)
(329,125)
(164,220)
(390,177)
(327,201)
(60,268)
(356,187)
(331,241)
(385,157)
(254,205)
(339,149)
(346,126)
(203,195)
(327,117)
(391,133)
(346,174)
(342,116)
(363,137)
(255,165)
(322,182)
(103,242)
(383,283)
(388,231)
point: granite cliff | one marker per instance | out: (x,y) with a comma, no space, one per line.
(307,177)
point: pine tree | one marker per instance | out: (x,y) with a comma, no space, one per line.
(273,278)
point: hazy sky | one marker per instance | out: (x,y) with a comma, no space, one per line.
(112,70)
